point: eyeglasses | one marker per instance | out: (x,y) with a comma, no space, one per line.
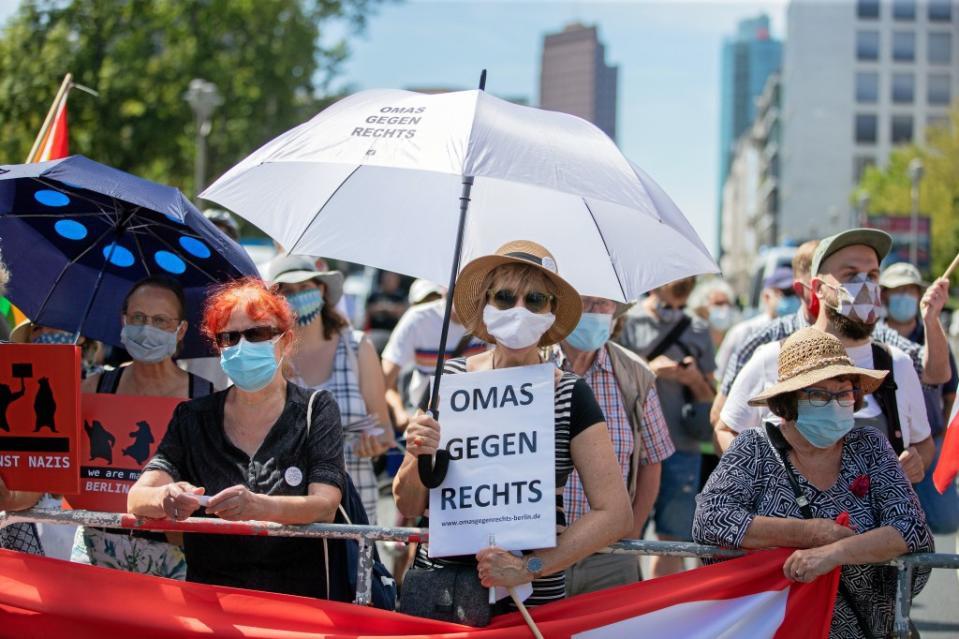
(506,298)
(255,334)
(598,305)
(820,397)
(163,322)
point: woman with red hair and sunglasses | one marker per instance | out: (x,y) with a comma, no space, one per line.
(263,449)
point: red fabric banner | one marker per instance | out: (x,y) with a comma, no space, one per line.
(948,464)
(56,142)
(39,417)
(748,597)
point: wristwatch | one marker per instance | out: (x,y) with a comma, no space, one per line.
(534,566)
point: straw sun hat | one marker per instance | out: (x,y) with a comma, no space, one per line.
(810,356)
(470,298)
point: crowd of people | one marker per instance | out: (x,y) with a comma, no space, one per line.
(813,424)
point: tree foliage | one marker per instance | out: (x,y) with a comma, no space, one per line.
(270,59)
(889,188)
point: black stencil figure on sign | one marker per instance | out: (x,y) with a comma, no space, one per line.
(45,406)
(7,397)
(101,441)
(139,450)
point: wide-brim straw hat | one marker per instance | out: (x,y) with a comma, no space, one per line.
(293,269)
(21,332)
(810,356)
(470,298)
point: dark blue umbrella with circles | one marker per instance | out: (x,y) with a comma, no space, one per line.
(76,234)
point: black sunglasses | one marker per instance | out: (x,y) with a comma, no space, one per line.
(506,298)
(255,334)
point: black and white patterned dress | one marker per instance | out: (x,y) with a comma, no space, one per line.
(751,480)
(576,410)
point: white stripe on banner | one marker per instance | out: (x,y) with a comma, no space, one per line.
(755,616)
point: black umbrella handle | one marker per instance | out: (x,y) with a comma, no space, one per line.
(432,476)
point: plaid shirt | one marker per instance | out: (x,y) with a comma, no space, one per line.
(783,327)
(656,444)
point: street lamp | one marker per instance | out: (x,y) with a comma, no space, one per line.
(203,98)
(915,176)
(863,201)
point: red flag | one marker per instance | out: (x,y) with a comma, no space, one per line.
(747,597)
(948,464)
(55,144)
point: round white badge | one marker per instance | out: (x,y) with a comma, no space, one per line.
(293,476)
(549,264)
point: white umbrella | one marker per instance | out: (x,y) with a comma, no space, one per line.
(375,178)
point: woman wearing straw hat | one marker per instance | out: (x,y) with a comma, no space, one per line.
(516,300)
(856,508)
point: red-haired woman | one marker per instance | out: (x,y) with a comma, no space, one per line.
(264,449)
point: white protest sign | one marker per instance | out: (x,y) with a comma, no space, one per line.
(499,428)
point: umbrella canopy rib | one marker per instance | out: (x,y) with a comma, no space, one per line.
(320,210)
(599,231)
(182,255)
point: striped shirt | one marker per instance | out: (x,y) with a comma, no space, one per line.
(575,411)
(654,432)
(782,327)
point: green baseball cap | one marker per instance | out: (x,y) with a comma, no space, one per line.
(877,240)
(901,274)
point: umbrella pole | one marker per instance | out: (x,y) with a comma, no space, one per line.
(96,289)
(432,476)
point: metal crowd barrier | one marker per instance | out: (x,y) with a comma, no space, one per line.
(363,535)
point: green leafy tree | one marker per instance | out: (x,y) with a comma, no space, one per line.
(889,188)
(270,59)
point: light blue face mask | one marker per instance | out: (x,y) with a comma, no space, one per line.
(592,331)
(903,307)
(669,314)
(251,365)
(60,337)
(823,426)
(787,305)
(306,305)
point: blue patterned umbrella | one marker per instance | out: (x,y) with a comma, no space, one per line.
(76,234)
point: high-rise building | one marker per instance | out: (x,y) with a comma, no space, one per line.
(748,59)
(858,79)
(574,77)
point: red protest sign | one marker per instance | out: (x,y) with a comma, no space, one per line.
(39,417)
(119,434)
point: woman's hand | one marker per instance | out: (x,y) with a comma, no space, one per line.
(179,500)
(807,565)
(237,503)
(369,446)
(822,532)
(422,435)
(497,567)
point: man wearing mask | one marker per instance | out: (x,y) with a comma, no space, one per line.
(625,388)
(902,295)
(680,351)
(844,279)
(778,299)
(931,364)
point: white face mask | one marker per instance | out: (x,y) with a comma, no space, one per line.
(516,327)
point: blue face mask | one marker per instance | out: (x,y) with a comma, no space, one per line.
(60,337)
(251,365)
(903,307)
(823,426)
(787,305)
(306,305)
(669,314)
(591,332)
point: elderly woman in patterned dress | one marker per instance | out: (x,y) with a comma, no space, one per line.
(843,473)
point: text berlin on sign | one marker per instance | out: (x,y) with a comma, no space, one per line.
(499,429)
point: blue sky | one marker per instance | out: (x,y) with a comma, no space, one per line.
(667,52)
